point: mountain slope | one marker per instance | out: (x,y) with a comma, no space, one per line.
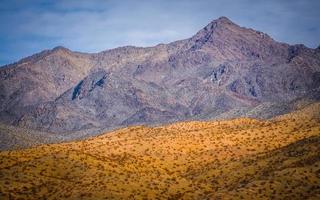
(236,159)
(18,138)
(222,69)
(39,78)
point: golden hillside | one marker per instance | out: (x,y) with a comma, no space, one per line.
(235,159)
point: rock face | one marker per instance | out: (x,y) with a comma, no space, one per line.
(224,70)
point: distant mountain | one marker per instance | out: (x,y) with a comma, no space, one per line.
(223,71)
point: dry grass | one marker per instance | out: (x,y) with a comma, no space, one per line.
(235,159)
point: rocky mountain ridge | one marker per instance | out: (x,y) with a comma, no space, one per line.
(223,71)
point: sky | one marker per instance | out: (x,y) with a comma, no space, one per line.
(30,26)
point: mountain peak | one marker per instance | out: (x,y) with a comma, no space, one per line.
(60,48)
(223,19)
(221,22)
(225,39)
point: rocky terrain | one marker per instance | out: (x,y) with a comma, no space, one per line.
(223,71)
(231,159)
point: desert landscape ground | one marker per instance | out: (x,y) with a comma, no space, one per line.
(232,159)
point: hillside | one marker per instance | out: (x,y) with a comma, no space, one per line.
(231,159)
(223,71)
(18,138)
(13,137)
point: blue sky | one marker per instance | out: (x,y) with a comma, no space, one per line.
(29,26)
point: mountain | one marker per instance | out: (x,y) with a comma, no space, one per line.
(232,159)
(39,78)
(223,71)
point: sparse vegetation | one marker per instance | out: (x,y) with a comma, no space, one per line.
(235,159)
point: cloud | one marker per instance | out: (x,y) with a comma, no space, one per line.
(92,26)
